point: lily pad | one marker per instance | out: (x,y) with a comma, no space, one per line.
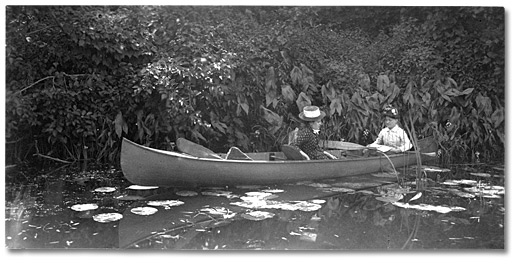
(258,194)
(220,211)
(392,199)
(385,175)
(482,175)
(165,203)
(130,198)
(367,192)
(139,187)
(248,187)
(462,194)
(307,206)
(450,183)
(187,193)
(436,169)
(308,236)
(427,207)
(253,204)
(455,182)
(143,210)
(318,185)
(337,189)
(105,189)
(273,190)
(257,215)
(84,207)
(219,193)
(491,196)
(107,217)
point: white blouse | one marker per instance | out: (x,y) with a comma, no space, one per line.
(396,138)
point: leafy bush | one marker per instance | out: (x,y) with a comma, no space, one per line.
(81,78)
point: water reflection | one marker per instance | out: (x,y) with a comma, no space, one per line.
(456,210)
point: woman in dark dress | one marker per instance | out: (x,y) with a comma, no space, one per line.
(307,136)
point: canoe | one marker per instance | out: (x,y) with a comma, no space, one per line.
(152,167)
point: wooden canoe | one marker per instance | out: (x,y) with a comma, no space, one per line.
(152,167)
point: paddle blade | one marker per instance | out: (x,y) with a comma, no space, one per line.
(341,145)
(294,153)
(236,154)
(194,149)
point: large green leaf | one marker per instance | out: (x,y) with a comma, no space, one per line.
(288,93)
(497,117)
(303,100)
(120,125)
(336,106)
(382,83)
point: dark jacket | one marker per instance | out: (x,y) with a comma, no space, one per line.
(307,141)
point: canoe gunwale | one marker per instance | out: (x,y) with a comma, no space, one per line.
(190,157)
(148,166)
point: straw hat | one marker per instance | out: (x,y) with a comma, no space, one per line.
(311,113)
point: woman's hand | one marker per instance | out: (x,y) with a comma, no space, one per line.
(393,151)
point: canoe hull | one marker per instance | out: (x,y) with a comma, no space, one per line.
(146,166)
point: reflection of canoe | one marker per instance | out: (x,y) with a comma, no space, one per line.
(146,166)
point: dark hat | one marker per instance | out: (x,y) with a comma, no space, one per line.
(311,113)
(390,112)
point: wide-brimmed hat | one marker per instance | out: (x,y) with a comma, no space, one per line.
(311,113)
(390,112)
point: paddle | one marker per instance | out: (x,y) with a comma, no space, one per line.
(341,145)
(194,149)
(294,153)
(236,154)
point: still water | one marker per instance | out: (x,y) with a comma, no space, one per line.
(457,208)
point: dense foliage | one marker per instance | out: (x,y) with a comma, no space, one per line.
(79,78)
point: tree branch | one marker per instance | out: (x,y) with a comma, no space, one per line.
(45,78)
(52,158)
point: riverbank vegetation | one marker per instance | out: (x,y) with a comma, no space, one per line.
(79,78)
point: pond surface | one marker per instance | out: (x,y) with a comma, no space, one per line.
(457,208)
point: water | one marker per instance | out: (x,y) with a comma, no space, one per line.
(458,209)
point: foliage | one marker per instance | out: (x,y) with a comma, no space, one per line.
(80,78)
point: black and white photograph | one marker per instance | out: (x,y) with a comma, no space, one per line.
(258,128)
